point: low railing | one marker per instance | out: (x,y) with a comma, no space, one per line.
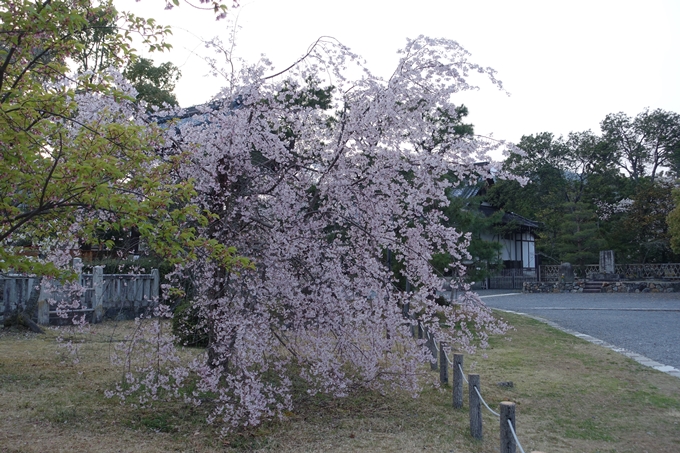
(122,289)
(552,273)
(667,271)
(107,295)
(661,271)
(509,442)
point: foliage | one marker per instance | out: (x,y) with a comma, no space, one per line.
(128,265)
(645,222)
(99,46)
(465,214)
(188,326)
(154,84)
(77,157)
(579,242)
(593,192)
(644,144)
(673,221)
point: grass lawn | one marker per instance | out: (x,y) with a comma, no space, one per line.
(572,396)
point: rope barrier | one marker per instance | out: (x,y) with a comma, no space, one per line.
(447,358)
(487,406)
(427,332)
(512,430)
(462,373)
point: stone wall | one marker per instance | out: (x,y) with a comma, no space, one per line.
(640,287)
(607,287)
(554,287)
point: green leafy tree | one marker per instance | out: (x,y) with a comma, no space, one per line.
(100,47)
(99,44)
(74,159)
(646,144)
(673,221)
(644,226)
(579,241)
(568,177)
(154,84)
(465,215)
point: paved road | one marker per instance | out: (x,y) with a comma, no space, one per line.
(647,324)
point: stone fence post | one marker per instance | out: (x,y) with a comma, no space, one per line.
(607,265)
(155,286)
(98,300)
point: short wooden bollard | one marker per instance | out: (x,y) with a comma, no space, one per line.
(443,364)
(475,406)
(457,381)
(507,416)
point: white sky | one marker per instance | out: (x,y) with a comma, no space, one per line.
(567,64)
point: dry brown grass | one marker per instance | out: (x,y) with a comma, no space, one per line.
(572,396)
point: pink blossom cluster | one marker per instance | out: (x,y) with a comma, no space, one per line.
(606,210)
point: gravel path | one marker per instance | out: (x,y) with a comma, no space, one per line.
(644,323)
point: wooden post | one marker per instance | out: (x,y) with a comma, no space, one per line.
(475,406)
(443,364)
(98,300)
(507,415)
(457,381)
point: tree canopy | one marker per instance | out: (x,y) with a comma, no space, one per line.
(77,156)
(595,192)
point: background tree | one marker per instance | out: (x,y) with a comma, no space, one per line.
(154,84)
(579,241)
(99,46)
(646,144)
(465,213)
(644,226)
(673,221)
(567,179)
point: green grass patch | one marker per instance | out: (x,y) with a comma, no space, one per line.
(571,396)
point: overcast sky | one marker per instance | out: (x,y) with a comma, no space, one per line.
(567,64)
